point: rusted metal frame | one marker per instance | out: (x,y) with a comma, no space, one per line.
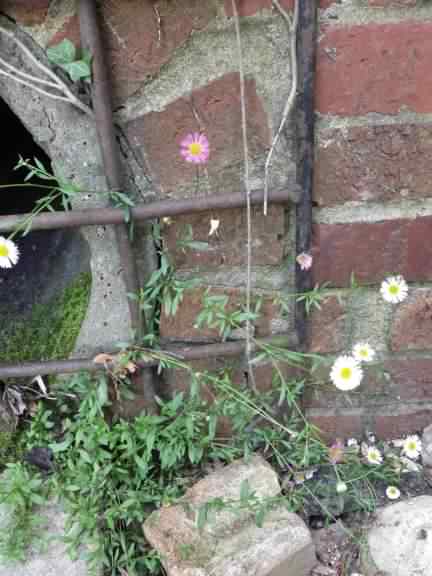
(91,40)
(305,110)
(186,353)
(99,216)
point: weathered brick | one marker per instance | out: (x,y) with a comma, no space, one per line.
(410,380)
(137,48)
(411,325)
(327,327)
(227,247)
(396,421)
(373,251)
(25,12)
(181,326)
(332,425)
(393,3)
(218,105)
(375,68)
(373,164)
(251,7)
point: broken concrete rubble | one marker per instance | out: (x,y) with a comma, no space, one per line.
(231,544)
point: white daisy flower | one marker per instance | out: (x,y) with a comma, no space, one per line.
(394,289)
(341,487)
(392,493)
(346,373)
(214,225)
(412,447)
(9,253)
(363,352)
(373,455)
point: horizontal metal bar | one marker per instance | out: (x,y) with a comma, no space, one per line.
(186,353)
(98,216)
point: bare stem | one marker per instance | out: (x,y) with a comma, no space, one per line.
(248,194)
(292,25)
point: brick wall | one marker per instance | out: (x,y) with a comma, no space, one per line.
(175,71)
(373,213)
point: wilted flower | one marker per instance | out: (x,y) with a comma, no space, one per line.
(304,260)
(394,289)
(346,373)
(373,455)
(412,447)
(392,493)
(353,445)
(195,148)
(336,451)
(363,352)
(9,253)
(214,225)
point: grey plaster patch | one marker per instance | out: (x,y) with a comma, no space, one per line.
(69,138)
(53,560)
(356,12)
(368,315)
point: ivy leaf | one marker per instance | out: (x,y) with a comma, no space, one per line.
(62,53)
(77,70)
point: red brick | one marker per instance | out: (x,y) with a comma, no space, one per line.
(181,326)
(327,330)
(375,68)
(398,422)
(218,107)
(131,29)
(228,246)
(410,379)
(373,251)
(332,425)
(411,325)
(26,12)
(374,164)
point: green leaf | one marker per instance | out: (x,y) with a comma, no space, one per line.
(244,490)
(201,517)
(77,70)
(259,516)
(62,53)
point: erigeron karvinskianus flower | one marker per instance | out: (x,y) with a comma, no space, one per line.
(304,260)
(363,352)
(373,455)
(392,493)
(195,148)
(412,447)
(346,373)
(341,487)
(394,289)
(9,253)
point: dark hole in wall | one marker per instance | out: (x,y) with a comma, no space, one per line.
(49,259)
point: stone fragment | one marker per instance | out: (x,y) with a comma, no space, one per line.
(52,560)
(427,446)
(400,540)
(231,544)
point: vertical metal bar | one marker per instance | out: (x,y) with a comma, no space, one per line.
(306,43)
(91,40)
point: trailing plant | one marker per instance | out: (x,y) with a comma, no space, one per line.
(65,55)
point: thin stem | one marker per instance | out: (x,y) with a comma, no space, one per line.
(292,93)
(248,193)
(28,76)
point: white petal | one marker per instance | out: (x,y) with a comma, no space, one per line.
(5,262)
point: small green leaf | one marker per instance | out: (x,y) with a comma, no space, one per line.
(62,53)
(77,70)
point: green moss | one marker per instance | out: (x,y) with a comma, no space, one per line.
(52,330)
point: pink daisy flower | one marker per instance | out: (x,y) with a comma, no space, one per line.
(195,148)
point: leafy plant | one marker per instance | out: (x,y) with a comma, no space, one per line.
(187,242)
(313,298)
(21,492)
(216,313)
(65,55)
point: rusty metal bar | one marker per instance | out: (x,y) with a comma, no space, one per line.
(186,353)
(99,216)
(91,40)
(306,43)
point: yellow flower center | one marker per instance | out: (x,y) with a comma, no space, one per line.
(195,148)
(364,353)
(4,251)
(412,446)
(394,289)
(346,373)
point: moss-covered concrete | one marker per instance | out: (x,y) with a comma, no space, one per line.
(52,329)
